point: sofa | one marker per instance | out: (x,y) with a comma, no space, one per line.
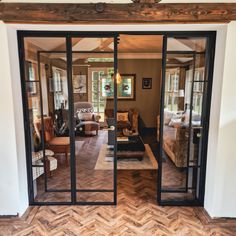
(176,135)
(126,119)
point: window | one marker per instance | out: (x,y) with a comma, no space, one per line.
(172,89)
(198,89)
(33,90)
(97,98)
(56,88)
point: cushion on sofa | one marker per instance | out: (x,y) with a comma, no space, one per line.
(195,116)
(167,116)
(122,116)
(175,122)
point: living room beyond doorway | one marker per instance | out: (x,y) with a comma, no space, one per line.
(109,115)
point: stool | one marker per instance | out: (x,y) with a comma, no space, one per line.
(51,165)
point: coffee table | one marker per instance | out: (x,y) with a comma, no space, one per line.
(131,148)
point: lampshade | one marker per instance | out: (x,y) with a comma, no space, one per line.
(118,78)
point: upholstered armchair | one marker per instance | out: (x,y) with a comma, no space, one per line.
(85,118)
(56,144)
(125,119)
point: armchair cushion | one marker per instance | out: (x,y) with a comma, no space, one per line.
(85,116)
(59,141)
(122,116)
(124,125)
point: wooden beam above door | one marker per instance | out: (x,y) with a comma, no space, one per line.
(56,13)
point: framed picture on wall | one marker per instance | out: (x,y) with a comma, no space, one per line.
(80,84)
(107,87)
(147,83)
(125,87)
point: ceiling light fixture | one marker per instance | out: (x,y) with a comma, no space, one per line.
(118,78)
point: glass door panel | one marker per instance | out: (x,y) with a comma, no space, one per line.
(47,95)
(182,127)
(93,69)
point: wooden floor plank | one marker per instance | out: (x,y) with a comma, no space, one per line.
(137,212)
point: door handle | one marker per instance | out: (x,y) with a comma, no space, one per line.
(199,135)
(111,128)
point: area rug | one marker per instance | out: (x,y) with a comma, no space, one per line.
(105,163)
(78,146)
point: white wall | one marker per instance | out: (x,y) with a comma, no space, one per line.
(19,121)
(12,157)
(222,201)
(220,154)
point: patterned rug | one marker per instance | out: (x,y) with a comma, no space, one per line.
(78,146)
(105,162)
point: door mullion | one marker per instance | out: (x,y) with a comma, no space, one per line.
(162,102)
(115,116)
(190,122)
(71,118)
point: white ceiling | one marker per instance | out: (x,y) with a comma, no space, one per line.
(90,44)
(115,1)
(47,44)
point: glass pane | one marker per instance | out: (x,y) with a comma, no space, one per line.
(186,44)
(46,78)
(57,119)
(185,87)
(94,143)
(31,70)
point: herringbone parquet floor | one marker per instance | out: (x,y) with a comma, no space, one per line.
(137,212)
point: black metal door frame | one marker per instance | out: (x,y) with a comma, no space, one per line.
(211,35)
(68,52)
(209,66)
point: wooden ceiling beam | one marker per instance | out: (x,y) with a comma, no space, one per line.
(55,13)
(105,45)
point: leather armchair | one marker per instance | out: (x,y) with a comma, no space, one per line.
(131,124)
(56,144)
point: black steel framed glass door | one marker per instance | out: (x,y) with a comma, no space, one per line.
(45,76)
(186,93)
(65,84)
(94,66)
(69,81)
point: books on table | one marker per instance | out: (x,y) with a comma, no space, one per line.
(122,139)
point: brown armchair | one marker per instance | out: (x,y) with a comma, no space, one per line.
(131,123)
(56,144)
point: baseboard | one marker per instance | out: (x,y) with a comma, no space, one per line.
(206,219)
(8,216)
